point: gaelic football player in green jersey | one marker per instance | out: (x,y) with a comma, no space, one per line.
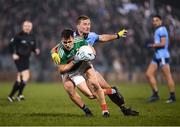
(69,66)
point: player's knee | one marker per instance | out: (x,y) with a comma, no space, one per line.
(68,87)
(93,81)
(99,89)
(148,74)
(25,77)
(70,93)
(91,97)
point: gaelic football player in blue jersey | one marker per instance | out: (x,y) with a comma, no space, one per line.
(160,59)
(83,25)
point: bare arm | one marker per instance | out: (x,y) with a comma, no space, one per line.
(107,37)
(65,67)
(110,37)
(160,45)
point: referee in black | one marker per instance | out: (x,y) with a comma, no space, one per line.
(21,47)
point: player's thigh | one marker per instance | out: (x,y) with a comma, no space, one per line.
(91,75)
(69,86)
(152,68)
(93,84)
(80,82)
(85,90)
(102,82)
(25,75)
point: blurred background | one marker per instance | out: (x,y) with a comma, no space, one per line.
(122,60)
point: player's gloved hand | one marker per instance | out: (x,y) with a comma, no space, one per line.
(122,33)
(77,58)
(56,58)
(80,56)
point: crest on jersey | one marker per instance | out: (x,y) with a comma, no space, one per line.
(23,41)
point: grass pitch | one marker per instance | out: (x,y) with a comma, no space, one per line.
(47,104)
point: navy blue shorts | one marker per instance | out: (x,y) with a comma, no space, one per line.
(161,61)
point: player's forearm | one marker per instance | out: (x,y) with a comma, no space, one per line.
(161,44)
(158,45)
(66,67)
(107,37)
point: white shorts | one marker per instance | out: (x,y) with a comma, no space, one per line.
(77,76)
(77,79)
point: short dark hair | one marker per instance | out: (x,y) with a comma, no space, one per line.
(157,16)
(67,33)
(82,17)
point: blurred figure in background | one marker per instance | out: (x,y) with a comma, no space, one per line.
(160,59)
(21,46)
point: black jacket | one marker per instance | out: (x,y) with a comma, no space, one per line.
(23,44)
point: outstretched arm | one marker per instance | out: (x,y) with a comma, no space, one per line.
(107,37)
(110,37)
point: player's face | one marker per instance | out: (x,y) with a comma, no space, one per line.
(156,22)
(68,43)
(27,27)
(84,26)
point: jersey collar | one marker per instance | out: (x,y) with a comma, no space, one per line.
(76,33)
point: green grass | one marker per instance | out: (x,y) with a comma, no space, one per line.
(48,104)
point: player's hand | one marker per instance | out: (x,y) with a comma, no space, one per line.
(37,51)
(149,45)
(15,56)
(77,57)
(122,33)
(56,58)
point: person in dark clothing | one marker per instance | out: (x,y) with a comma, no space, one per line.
(21,46)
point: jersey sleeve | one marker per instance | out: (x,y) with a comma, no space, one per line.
(12,45)
(95,36)
(55,49)
(92,38)
(162,32)
(61,54)
(34,45)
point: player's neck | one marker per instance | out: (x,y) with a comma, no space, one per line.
(80,33)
